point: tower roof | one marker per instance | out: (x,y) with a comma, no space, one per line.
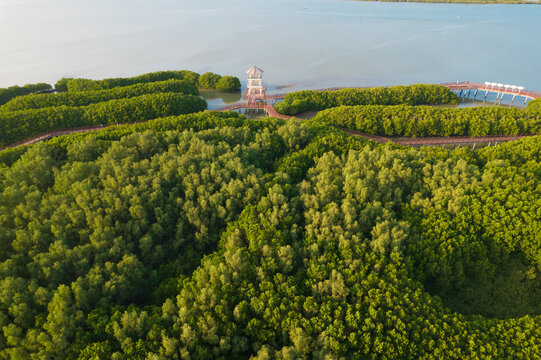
(254,70)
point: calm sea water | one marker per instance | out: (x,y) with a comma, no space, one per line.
(304,43)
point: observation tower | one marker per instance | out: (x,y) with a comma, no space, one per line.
(255,89)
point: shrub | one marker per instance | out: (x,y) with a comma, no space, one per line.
(62,84)
(208,80)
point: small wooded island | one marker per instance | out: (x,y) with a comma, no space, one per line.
(174,232)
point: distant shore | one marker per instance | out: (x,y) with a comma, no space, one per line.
(480,2)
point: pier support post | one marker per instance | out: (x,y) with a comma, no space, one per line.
(512,100)
(475,94)
(497,98)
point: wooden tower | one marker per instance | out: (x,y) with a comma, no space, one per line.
(255,89)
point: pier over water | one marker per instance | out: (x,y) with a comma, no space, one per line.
(466,89)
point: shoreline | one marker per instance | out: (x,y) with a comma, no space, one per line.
(463,2)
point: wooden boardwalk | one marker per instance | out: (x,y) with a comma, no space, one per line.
(271,111)
(439,141)
(50,134)
(267,107)
(458,140)
(423,141)
(467,85)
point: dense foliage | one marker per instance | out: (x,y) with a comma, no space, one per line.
(11,92)
(211,81)
(228,83)
(19,125)
(419,121)
(206,81)
(534,104)
(210,236)
(420,94)
(86,84)
(84,98)
(62,84)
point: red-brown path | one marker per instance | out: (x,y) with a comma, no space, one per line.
(49,134)
(437,140)
(464,85)
(454,140)
(423,141)
(427,141)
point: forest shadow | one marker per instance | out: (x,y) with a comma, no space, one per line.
(514,291)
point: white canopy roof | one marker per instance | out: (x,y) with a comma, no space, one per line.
(254,70)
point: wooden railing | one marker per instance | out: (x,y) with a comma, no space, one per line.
(432,141)
(467,85)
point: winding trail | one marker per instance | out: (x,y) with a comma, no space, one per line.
(459,140)
(424,141)
(50,134)
(436,140)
